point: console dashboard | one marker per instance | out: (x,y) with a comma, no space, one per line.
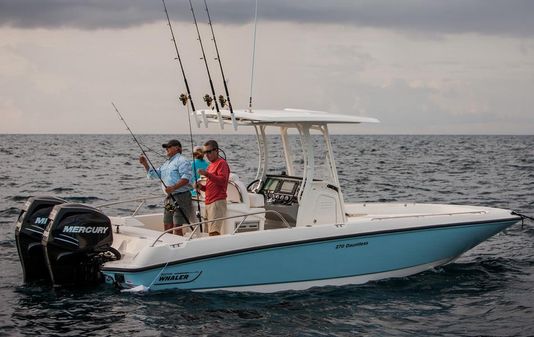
(281,190)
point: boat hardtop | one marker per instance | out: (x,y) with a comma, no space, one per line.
(284,116)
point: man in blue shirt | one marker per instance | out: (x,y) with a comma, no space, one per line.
(177,175)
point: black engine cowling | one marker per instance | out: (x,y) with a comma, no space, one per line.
(76,242)
(32,221)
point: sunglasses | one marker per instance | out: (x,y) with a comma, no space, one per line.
(209,151)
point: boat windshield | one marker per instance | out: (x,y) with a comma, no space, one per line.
(286,154)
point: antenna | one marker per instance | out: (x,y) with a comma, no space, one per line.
(222,72)
(253,57)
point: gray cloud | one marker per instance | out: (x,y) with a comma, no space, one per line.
(494,17)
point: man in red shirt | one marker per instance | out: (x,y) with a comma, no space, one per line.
(217,176)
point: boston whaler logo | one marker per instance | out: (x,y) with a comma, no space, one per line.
(85,229)
(183,277)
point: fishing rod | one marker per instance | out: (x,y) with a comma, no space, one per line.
(178,58)
(183,98)
(205,61)
(154,151)
(150,162)
(220,66)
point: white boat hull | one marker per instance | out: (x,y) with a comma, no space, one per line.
(368,248)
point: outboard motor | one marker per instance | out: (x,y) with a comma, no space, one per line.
(76,242)
(32,221)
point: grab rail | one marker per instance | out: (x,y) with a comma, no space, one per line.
(197,224)
(141,199)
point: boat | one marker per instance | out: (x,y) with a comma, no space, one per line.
(287,229)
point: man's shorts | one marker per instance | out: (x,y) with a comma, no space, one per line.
(215,210)
(175,217)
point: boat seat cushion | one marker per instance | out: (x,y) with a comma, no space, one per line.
(256,200)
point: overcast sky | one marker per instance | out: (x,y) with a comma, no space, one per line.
(421,67)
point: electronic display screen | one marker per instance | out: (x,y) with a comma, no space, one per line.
(270,185)
(288,187)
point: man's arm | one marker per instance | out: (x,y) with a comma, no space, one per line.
(151,173)
(180,183)
(220,177)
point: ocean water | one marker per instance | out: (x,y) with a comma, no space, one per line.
(489,291)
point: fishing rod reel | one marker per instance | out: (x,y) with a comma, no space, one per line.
(208,100)
(183,98)
(222,101)
(170,207)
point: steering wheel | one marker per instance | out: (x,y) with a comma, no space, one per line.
(252,187)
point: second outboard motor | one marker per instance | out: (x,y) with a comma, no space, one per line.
(76,242)
(31,224)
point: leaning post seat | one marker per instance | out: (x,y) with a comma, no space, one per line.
(236,191)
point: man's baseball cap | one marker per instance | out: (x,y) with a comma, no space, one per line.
(171,143)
